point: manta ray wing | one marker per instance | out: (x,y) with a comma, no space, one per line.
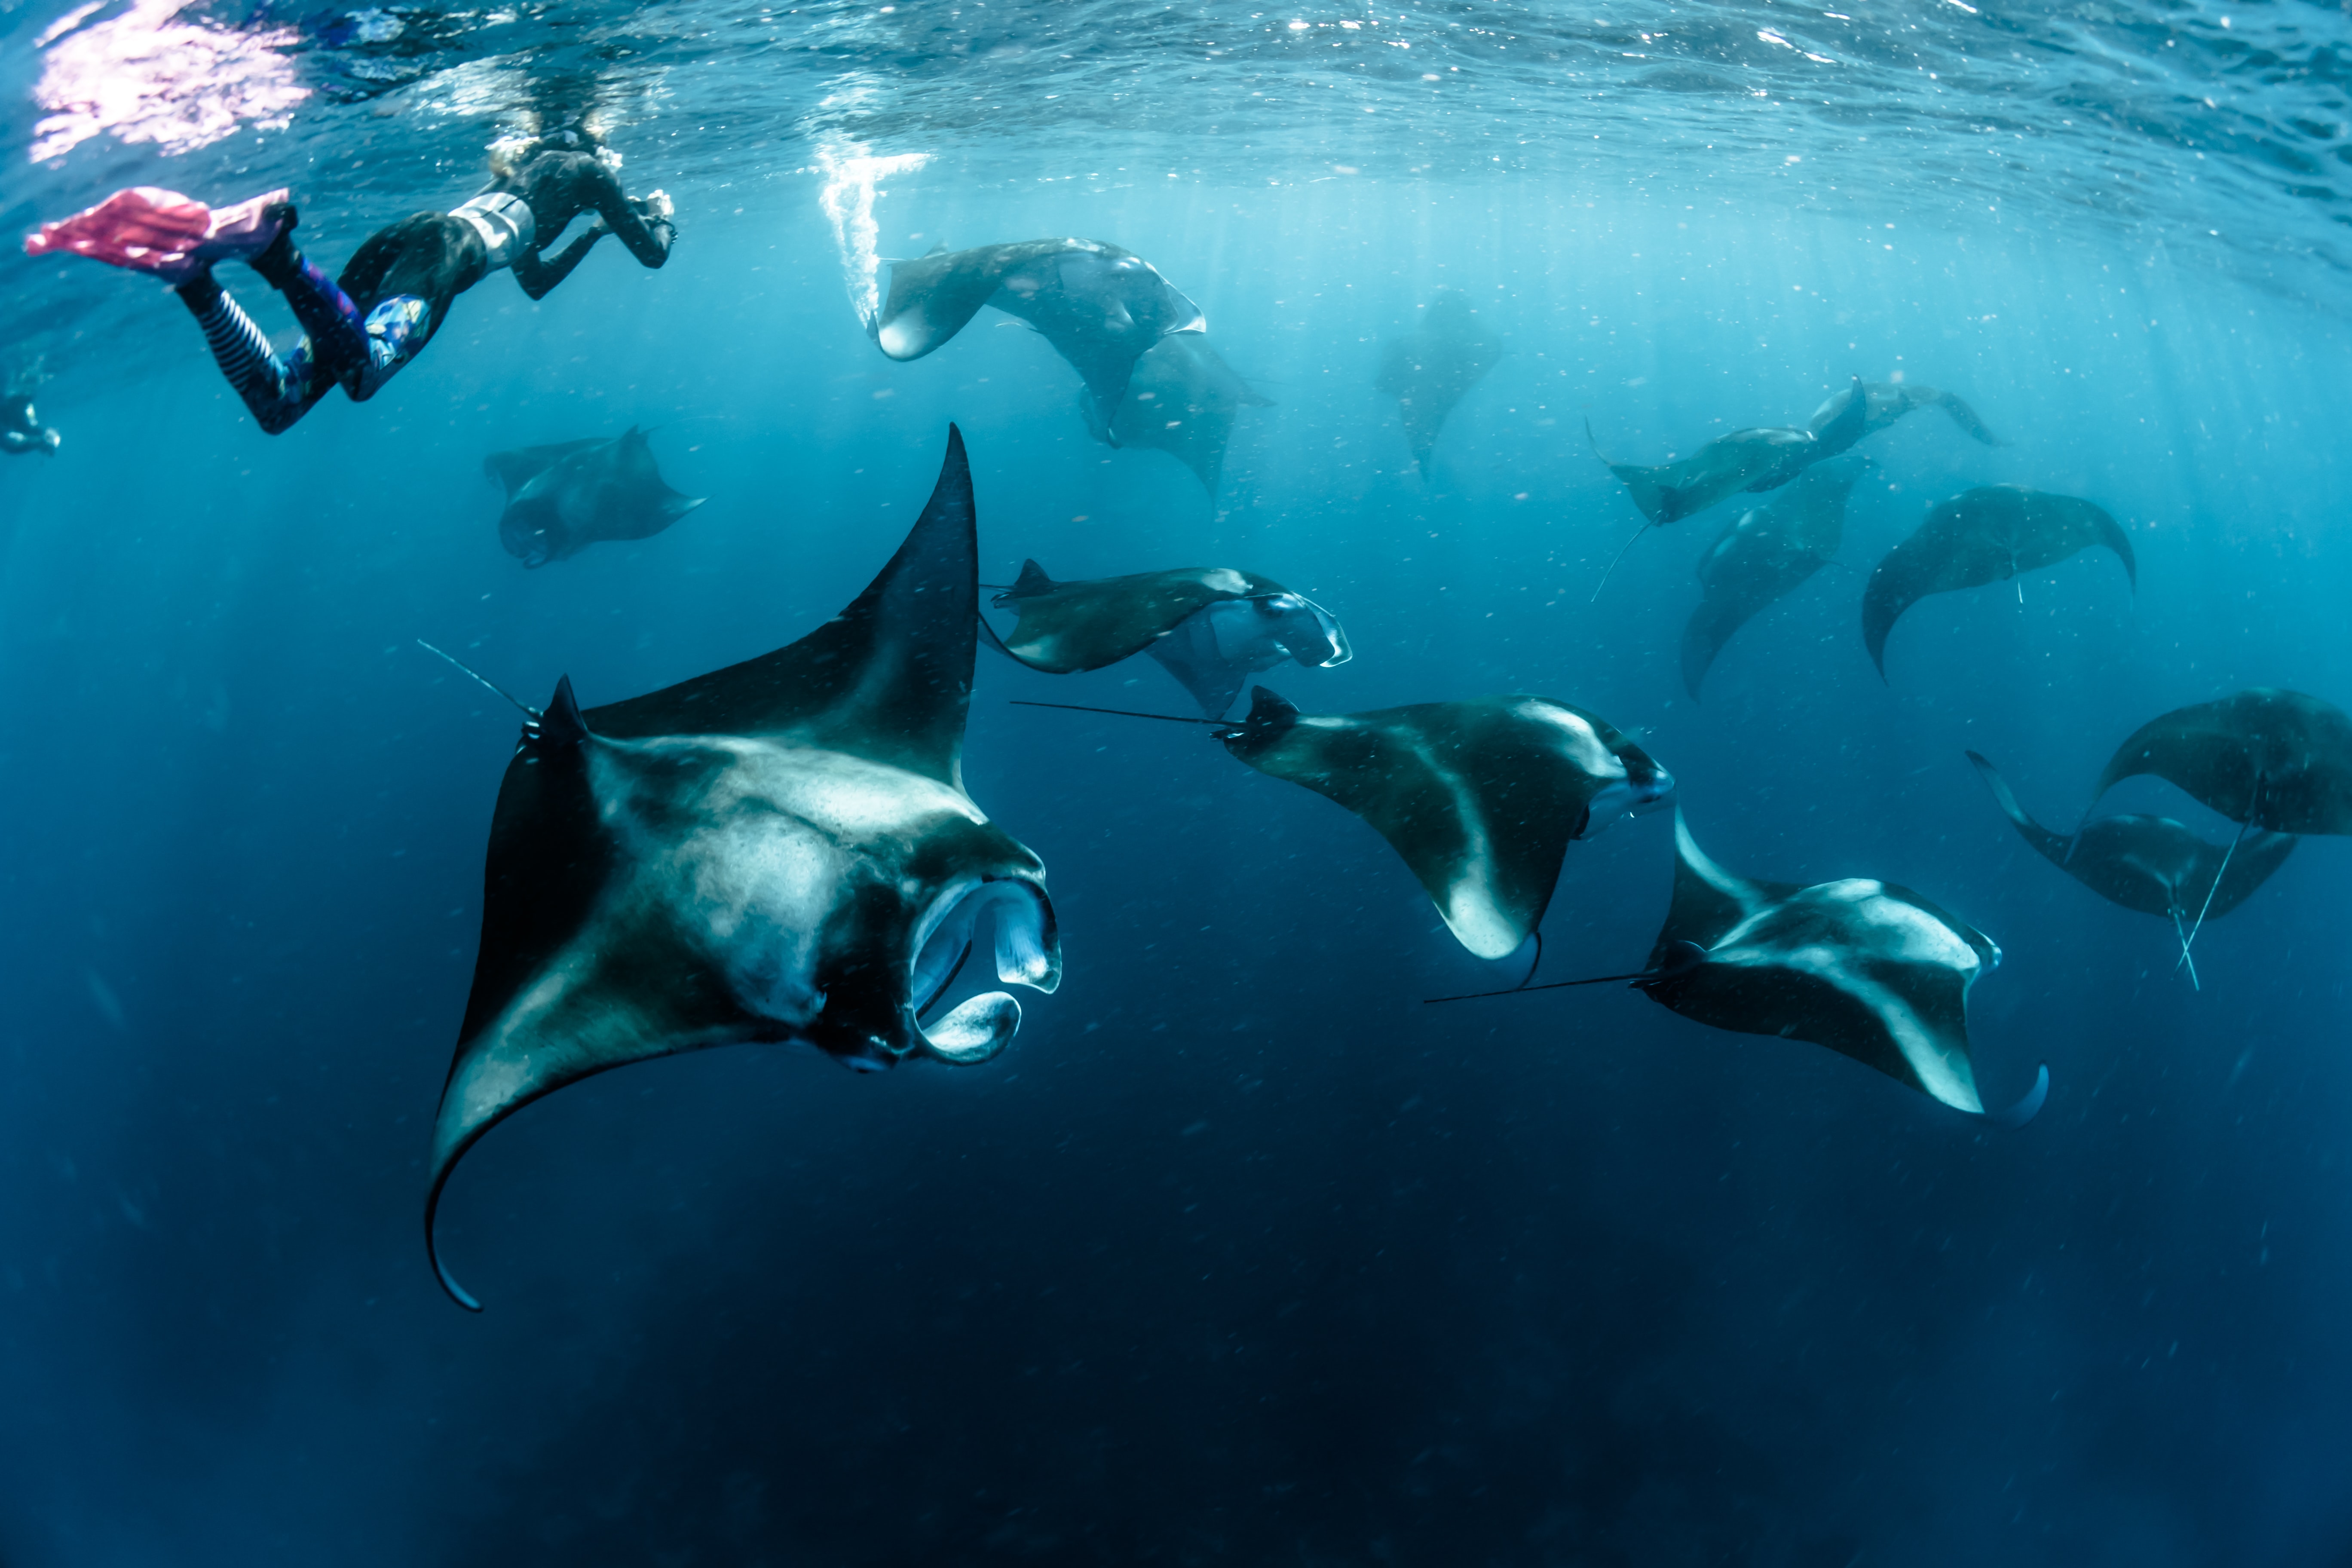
(1182,399)
(1983,535)
(2268,757)
(513,469)
(1066,627)
(932,297)
(1431,370)
(1762,556)
(889,679)
(635,502)
(1961,414)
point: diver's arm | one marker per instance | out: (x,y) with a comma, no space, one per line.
(538,273)
(643,224)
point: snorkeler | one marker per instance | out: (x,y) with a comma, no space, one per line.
(21,430)
(359,330)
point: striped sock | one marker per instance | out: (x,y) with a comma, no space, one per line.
(245,357)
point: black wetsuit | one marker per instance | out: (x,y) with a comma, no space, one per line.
(397,288)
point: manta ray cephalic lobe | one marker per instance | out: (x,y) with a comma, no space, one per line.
(780,850)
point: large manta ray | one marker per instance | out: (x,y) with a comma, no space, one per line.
(1481,797)
(2265,758)
(1101,308)
(2151,864)
(779,851)
(1762,458)
(1869,969)
(1181,400)
(1429,369)
(564,498)
(1766,554)
(1987,534)
(1211,627)
(1884,402)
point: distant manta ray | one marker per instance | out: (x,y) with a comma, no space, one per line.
(1102,308)
(1211,627)
(1433,367)
(1989,534)
(1884,402)
(2150,864)
(564,498)
(1869,969)
(1181,400)
(780,850)
(1763,555)
(1762,458)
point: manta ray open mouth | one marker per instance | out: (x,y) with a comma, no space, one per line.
(982,1025)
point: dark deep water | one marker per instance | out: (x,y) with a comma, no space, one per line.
(1238,1254)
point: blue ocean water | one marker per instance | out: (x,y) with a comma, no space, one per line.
(1238,1254)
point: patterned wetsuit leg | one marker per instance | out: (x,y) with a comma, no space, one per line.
(339,346)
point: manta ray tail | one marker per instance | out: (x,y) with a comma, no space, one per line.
(2227,855)
(2181,935)
(1612,564)
(2024,1112)
(478,674)
(1121,712)
(1680,959)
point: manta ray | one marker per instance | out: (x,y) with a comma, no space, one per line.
(2265,758)
(1430,369)
(1869,969)
(1102,308)
(1181,400)
(1985,535)
(1763,555)
(1884,402)
(1761,458)
(780,850)
(564,498)
(1211,627)
(1480,798)
(2151,864)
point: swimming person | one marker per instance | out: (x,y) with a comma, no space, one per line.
(21,430)
(361,329)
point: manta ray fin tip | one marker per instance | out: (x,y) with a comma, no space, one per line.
(2028,1106)
(562,724)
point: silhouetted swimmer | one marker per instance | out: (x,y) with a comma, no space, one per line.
(396,289)
(21,430)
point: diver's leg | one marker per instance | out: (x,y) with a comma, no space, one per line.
(278,392)
(338,336)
